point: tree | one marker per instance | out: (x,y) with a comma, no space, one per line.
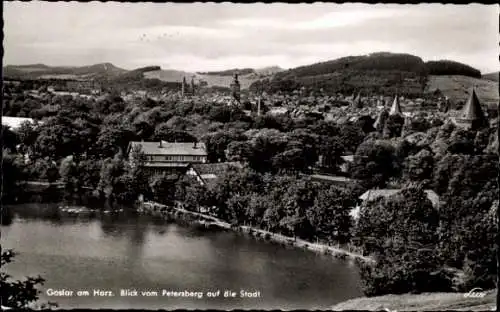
(13,172)
(461,142)
(257,206)
(27,134)
(351,136)
(331,149)
(9,138)
(330,215)
(394,126)
(45,169)
(366,124)
(401,232)
(419,167)
(58,138)
(218,142)
(113,139)
(237,205)
(163,188)
(375,162)
(17,294)
(68,171)
(417,124)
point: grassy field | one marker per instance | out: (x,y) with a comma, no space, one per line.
(421,302)
(457,87)
(212,80)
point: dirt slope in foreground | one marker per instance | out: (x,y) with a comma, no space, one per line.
(421,302)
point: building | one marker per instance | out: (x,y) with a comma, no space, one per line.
(188,89)
(374,194)
(83,86)
(167,157)
(15,123)
(396,107)
(356,102)
(332,179)
(472,116)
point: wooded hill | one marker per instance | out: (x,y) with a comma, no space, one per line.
(380,73)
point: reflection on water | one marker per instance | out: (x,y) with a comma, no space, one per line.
(115,251)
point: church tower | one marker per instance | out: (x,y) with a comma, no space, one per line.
(396,107)
(235,88)
(356,102)
(472,116)
(193,89)
(183,90)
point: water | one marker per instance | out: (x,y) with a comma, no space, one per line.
(123,251)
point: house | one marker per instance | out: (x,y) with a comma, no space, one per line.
(374,194)
(15,123)
(167,157)
(207,174)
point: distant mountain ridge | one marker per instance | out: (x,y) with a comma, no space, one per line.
(245,71)
(375,73)
(492,76)
(36,71)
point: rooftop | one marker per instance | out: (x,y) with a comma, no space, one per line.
(214,169)
(371,195)
(15,122)
(169,148)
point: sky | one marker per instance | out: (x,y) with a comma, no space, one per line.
(217,36)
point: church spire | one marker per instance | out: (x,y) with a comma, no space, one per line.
(396,107)
(472,115)
(183,91)
(357,101)
(235,87)
(472,109)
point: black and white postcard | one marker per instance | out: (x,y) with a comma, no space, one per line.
(249,156)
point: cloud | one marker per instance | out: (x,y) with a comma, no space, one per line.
(210,35)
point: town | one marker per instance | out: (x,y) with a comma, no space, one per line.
(382,160)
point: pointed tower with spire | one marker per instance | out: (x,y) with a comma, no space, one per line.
(235,88)
(183,90)
(471,117)
(396,107)
(193,89)
(356,102)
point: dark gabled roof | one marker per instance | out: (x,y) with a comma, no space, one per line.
(216,168)
(357,101)
(373,194)
(472,109)
(169,148)
(166,164)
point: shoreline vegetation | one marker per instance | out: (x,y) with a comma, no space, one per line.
(212,223)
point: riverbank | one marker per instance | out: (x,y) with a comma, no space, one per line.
(422,302)
(211,222)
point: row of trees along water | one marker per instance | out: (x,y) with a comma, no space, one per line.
(83,144)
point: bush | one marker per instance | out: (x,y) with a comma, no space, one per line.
(19,294)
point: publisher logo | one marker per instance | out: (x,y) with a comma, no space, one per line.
(475,293)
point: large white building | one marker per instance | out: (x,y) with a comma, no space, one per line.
(168,157)
(15,123)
